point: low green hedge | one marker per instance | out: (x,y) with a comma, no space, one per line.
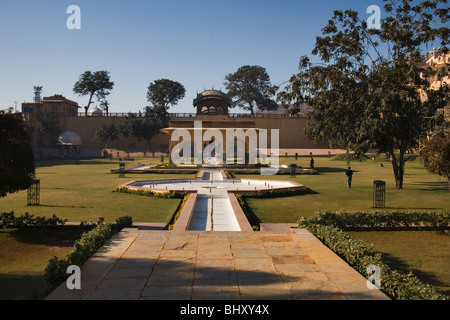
(360,256)
(386,220)
(148,193)
(231,173)
(89,243)
(177,214)
(9,220)
(277,194)
(251,217)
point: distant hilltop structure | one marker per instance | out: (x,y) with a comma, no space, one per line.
(56,105)
(437,59)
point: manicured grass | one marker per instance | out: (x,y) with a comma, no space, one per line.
(422,190)
(425,253)
(84,192)
(24,255)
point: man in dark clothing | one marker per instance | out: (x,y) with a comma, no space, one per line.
(311,164)
(349,174)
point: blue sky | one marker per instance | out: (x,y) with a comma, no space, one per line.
(194,42)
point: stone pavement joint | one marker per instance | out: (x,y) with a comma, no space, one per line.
(163,265)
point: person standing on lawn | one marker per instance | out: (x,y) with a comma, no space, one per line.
(349,174)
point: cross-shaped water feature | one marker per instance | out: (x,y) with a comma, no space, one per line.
(213,210)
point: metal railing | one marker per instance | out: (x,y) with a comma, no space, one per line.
(194,115)
(32,116)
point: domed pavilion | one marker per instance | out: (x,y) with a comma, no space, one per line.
(69,145)
(212,102)
(212,117)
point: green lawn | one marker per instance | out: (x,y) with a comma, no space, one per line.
(84,192)
(24,255)
(422,190)
(425,253)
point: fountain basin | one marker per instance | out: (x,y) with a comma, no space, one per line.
(212,205)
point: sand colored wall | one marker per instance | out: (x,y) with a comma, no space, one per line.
(291,131)
(86,127)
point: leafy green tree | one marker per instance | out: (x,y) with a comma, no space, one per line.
(162,94)
(93,84)
(106,133)
(131,127)
(155,119)
(165,93)
(249,87)
(104,105)
(146,127)
(436,155)
(366,93)
(49,126)
(17,169)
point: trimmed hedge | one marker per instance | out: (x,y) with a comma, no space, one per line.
(9,220)
(89,243)
(277,194)
(148,193)
(231,173)
(251,217)
(385,220)
(360,256)
(177,214)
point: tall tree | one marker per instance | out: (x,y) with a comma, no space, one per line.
(367,91)
(162,94)
(131,127)
(93,84)
(436,155)
(165,93)
(249,87)
(104,105)
(155,119)
(49,127)
(106,133)
(17,168)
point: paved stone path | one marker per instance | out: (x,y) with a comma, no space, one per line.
(166,265)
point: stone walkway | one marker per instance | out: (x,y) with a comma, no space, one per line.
(167,265)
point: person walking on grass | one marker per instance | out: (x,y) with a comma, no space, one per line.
(349,174)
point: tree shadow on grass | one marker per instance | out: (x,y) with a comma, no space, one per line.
(331,170)
(21,287)
(431,186)
(409,208)
(61,238)
(84,161)
(58,206)
(400,265)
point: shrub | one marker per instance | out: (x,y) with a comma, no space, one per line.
(360,256)
(251,217)
(276,194)
(149,193)
(177,214)
(124,222)
(229,175)
(9,220)
(358,220)
(89,243)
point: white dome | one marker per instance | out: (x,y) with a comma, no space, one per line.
(96,112)
(70,138)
